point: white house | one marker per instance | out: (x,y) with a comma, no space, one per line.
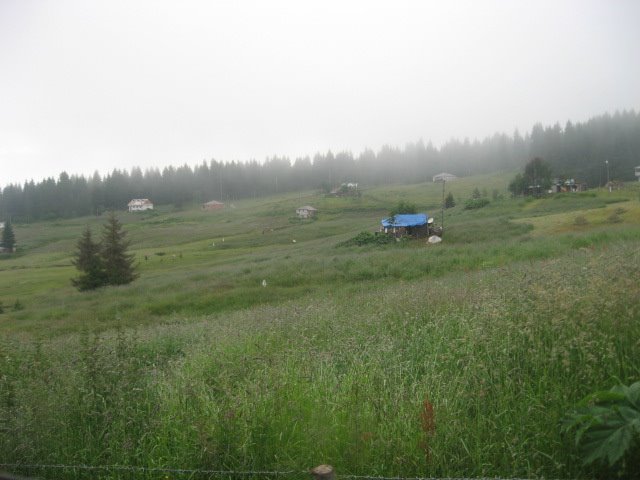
(306,212)
(638,172)
(140,204)
(444,177)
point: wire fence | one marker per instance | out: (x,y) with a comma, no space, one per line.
(124,472)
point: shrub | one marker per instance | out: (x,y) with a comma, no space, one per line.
(449,201)
(367,238)
(403,207)
(474,203)
(607,427)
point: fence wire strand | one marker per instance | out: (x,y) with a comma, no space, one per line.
(221,473)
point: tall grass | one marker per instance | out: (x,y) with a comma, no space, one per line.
(497,355)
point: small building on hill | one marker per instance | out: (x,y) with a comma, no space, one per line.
(407,224)
(140,204)
(444,177)
(212,205)
(638,172)
(306,212)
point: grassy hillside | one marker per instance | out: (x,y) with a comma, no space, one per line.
(525,307)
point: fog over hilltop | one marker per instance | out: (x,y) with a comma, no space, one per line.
(90,85)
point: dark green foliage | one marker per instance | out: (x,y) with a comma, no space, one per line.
(449,201)
(1,307)
(537,172)
(8,237)
(606,426)
(403,207)
(518,185)
(474,203)
(118,264)
(368,238)
(106,263)
(17,306)
(88,261)
(476,193)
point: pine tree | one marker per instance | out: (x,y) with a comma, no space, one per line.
(449,201)
(119,266)
(89,262)
(8,237)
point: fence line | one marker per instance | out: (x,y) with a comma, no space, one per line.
(219,473)
(144,469)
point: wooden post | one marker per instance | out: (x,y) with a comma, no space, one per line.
(443,182)
(323,472)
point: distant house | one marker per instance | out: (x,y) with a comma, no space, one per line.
(140,204)
(306,212)
(412,224)
(638,172)
(615,185)
(444,177)
(212,205)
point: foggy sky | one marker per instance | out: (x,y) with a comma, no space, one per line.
(95,85)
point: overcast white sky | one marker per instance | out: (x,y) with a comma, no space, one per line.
(91,85)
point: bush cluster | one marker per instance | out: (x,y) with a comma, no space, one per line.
(474,203)
(367,238)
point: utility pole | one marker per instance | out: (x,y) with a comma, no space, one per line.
(443,182)
(607,164)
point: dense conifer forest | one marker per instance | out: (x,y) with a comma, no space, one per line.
(574,151)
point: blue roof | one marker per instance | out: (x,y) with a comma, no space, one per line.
(406,220)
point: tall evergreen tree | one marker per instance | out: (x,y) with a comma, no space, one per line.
(8,237)
(449,201)
(538,172)
(119,265)
(88,261)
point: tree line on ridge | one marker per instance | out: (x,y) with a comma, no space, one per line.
(574,151)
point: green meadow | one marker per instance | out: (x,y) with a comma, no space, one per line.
(254,341)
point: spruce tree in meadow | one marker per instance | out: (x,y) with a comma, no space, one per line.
(118,263)
(8,237)
(449,201)
(88,261)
